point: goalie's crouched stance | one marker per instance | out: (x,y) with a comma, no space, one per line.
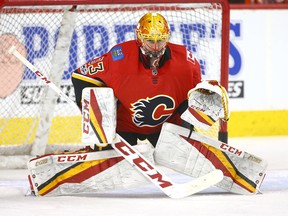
(188,152)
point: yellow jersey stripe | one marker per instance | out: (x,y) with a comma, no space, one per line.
(87,79)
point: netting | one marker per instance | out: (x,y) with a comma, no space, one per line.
(58,39)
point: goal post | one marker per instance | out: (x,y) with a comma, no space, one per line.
(59,36)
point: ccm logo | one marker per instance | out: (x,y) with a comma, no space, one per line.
(71,158)
(231,149)
(41,162)
(39,74)
(85,116)
(142,164)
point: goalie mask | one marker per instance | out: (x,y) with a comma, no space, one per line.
(152,34)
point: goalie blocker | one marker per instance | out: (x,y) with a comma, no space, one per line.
(87,171)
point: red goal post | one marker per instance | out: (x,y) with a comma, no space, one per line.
(59,36)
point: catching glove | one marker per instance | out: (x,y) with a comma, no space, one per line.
(207,102)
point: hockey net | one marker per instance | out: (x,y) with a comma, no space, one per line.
(59,36)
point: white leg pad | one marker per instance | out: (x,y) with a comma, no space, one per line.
(242,174)
(174,152)
(85,173)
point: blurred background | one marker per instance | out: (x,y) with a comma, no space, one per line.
(258,68)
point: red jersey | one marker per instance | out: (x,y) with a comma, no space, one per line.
(146,98)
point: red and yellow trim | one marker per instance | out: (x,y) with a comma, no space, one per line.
(96,118)
(87,79)
(201,117)
(77,173)
(221,161)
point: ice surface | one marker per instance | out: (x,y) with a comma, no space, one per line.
(151,201)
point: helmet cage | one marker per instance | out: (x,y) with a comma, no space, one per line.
(152,34)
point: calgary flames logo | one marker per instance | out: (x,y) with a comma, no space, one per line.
(152,111)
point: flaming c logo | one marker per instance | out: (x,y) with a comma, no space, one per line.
(151,112)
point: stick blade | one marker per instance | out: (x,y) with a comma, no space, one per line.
(196,185)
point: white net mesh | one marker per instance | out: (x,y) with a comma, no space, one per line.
(32,116)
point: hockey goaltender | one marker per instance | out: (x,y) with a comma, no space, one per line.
(142,104)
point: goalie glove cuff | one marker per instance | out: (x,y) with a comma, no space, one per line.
(198,119)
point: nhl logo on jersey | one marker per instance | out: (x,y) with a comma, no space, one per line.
(83,69)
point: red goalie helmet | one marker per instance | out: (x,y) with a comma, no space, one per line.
(152,34)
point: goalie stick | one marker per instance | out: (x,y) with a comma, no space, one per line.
(149,170)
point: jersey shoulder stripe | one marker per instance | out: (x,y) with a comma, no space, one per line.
(81,77)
